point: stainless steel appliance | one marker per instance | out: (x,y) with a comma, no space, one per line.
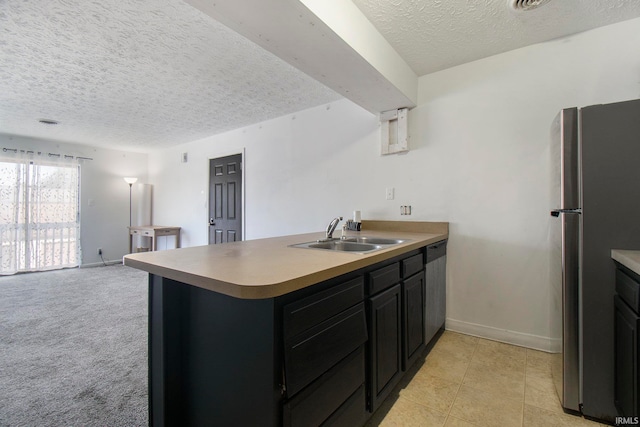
(596,201)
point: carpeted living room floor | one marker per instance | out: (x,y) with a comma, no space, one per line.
(73,348)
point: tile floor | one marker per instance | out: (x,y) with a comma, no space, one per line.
(468,381)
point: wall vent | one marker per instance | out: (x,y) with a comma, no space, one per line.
(526,5)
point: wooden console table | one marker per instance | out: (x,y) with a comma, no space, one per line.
(153,231)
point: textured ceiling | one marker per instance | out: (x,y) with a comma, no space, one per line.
(143,75)
(137,74)
(432,35)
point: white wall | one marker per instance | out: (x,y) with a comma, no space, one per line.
(298,173)
(489,123)
(479,159)
(104,196)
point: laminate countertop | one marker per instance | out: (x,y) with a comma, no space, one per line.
(267,268)
(630,259)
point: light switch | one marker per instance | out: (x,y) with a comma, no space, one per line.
(390,193)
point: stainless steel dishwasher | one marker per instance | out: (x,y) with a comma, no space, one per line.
(436,286)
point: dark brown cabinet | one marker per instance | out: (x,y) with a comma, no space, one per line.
(324,356)
(333,397)
(413,290)
(312,353)
(385,343)
(627,345)
(327,354)
(382,278)
(396,314)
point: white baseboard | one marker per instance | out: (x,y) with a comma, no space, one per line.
(101,264)
(535,342)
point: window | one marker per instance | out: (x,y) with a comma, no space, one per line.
(39,215)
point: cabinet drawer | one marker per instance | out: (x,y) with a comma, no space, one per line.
(412,265)
(324,396)
(302,315)
(383,278)
(311,353)
(628,289)
(351,413)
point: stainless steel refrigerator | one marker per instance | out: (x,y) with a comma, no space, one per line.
(596,207)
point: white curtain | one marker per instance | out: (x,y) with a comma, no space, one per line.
(39,213)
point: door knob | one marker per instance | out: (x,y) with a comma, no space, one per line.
(212,221)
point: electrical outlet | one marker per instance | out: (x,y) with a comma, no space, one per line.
(99,251)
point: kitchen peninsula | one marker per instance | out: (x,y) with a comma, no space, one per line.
(261,333)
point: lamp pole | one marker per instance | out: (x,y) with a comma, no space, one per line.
(130,181)
(130,185)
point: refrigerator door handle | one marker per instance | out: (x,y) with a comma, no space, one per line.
(556,212)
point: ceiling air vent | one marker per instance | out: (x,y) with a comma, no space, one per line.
(525,5)
(48,121)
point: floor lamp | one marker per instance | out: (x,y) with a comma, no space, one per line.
(130,181)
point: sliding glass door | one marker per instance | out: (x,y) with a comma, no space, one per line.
(39,215)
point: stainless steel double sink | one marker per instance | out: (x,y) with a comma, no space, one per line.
(351,244)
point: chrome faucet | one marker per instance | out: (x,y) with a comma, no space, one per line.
(332,226)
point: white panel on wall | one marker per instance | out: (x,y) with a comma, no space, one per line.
(394,131)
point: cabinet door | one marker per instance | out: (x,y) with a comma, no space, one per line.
(626,359)
(385,344)
(412,318)
(435,297)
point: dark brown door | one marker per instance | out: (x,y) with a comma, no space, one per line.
(225,199)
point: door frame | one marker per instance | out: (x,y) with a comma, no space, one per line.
(242,153)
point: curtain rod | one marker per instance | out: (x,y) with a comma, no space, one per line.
(66,156)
